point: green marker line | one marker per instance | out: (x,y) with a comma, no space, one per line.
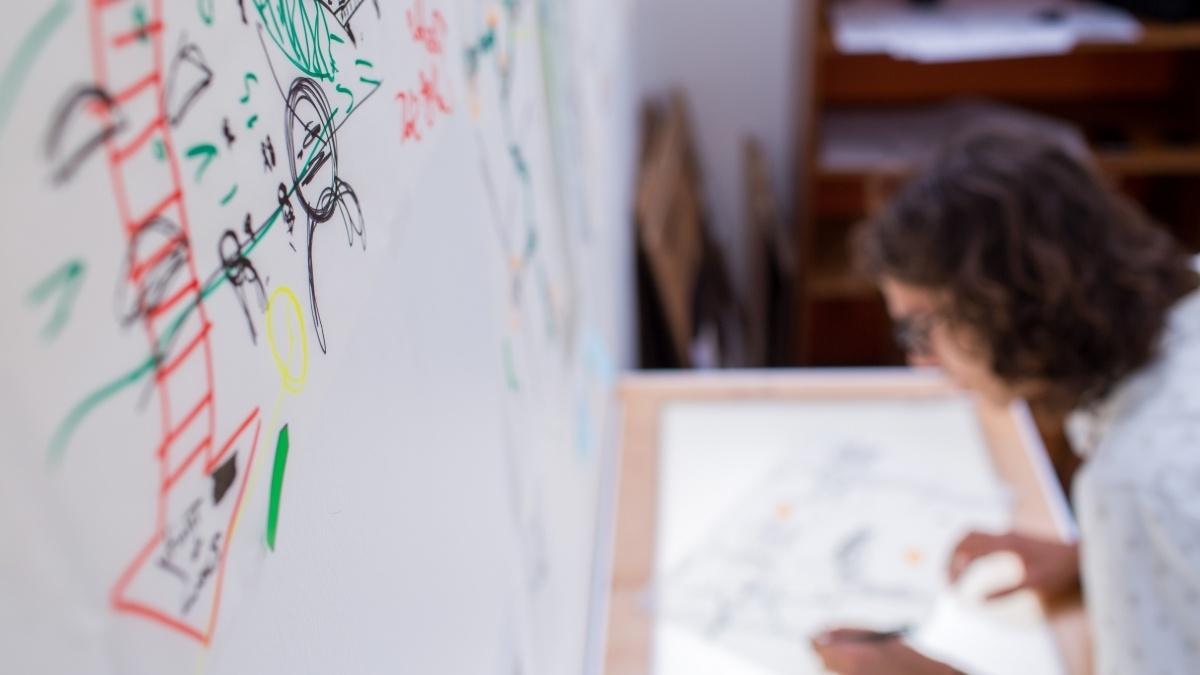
(510,370)
(68,277)
(252,121)
(363,62)
(367,80)
(27,52)
(58,444)
(206,152)
(342,89)
(229,195)
(206,13)
(281,455)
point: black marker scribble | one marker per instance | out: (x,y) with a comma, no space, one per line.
(320,191)
(241,273)
(187,78)
(223,477)
(285,207)
(82,101)
(268,154)
(343,12)
(157,255)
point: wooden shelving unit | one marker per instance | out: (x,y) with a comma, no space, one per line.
(1137,104)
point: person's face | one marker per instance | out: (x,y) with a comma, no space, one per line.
(928,339)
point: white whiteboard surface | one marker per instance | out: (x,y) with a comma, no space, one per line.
(190,185)
(721,459)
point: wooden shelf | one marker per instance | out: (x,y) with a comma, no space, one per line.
(831,274)
(1150,162)
(1156,36)
(1138,104)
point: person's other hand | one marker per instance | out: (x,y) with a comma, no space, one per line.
(1051,567)
(848,651)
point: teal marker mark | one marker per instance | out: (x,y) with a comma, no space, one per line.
(206,10)
(26,54)
(246,80)
(139,20)
(207,152)
(66,281)
(510,369)
(229,195)
(342,89)
(58,443)
(300,28)
(281,455)
(252,121)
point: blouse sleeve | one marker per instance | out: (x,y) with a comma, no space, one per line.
(1141,571)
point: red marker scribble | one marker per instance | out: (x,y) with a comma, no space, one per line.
(431,96)
(175,578)
(423,104)
(430,31)
(410,114)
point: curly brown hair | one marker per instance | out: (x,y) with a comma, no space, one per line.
(1065,281)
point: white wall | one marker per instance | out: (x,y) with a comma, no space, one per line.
(736,61)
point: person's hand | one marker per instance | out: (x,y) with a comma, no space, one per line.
(847,651)
(1051,567)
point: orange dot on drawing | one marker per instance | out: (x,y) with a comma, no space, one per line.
(783,511)
(493,16)
(914,556)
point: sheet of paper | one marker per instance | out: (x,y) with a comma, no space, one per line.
(779,520)
(962,30)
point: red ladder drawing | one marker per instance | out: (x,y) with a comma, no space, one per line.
(167,579)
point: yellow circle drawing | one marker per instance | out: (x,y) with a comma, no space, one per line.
(293,366)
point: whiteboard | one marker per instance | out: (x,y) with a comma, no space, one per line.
(311,334)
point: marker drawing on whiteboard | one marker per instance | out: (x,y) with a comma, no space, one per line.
(65,282)
(281,453)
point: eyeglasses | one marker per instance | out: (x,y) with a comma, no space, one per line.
(912,332)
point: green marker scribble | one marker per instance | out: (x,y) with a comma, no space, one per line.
(229,195)
(281,455)
(363,62)
(207,152)
(300,28)
(367,80)
(519,164)
(160,151)
(205,9)
(26,53)
(139,20)
(341,89)
(69,278)
(252,121)
(510,370)
(246,80)
(58,442)
(66,428)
